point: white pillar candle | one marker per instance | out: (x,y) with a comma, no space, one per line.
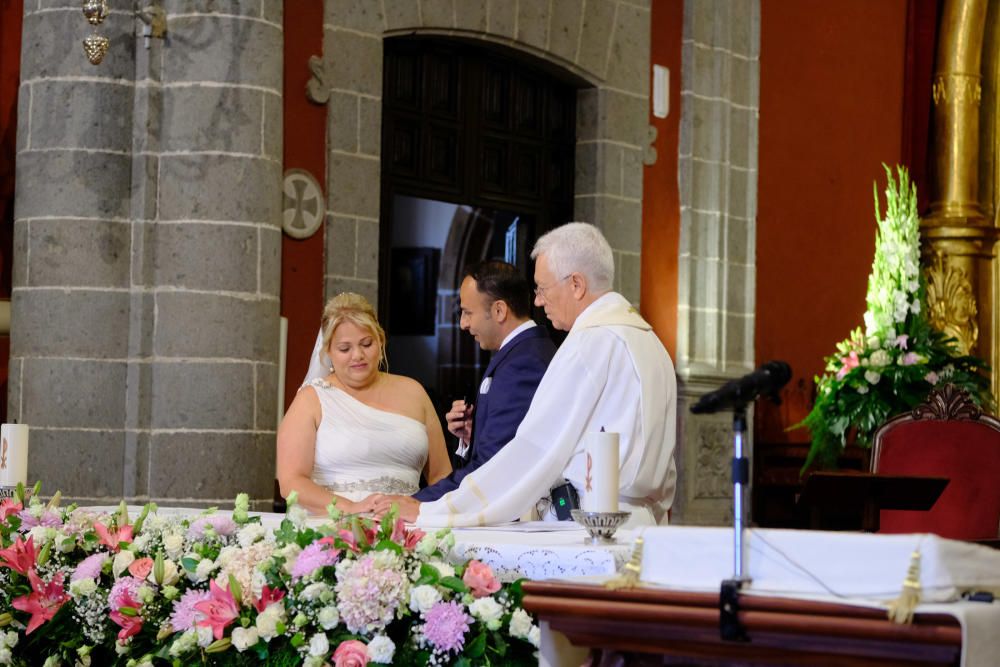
(13,454)
(600,489)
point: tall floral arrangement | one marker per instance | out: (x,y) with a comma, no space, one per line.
(891,365)
(81,589)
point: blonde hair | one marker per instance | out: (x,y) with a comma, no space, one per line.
(356,309)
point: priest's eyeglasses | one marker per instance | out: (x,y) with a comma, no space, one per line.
(540,291)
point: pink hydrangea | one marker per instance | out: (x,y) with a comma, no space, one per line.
(184,615)
(313,557)
(220,524)
(446,625)
(90,567)
(369,592)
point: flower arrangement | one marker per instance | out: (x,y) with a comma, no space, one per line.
(79,588)
(890,366)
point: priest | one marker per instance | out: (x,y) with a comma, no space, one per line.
(610,373)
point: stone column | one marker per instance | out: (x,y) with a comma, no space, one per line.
(716,276)
(144,334)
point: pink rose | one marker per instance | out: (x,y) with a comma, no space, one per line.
(480,580)
(351,653)
(141,568)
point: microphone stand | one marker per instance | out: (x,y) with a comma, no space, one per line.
(730,628)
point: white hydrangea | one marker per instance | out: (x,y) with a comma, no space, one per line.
(422,598)
(381,650)
(250,533)
(487,610)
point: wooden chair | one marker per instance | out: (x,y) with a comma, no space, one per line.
(947,436)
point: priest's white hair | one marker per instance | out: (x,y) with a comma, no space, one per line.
(578,247)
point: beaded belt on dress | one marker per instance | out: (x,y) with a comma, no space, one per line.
(385,484)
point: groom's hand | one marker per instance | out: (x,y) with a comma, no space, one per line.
(409,507)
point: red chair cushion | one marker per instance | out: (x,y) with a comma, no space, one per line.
(968,454)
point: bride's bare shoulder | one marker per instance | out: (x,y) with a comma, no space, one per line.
(406,386)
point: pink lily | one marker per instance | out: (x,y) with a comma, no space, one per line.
(44,600)
(220,610)
(19,556)
(268,596)
(8,506)
(113,538)
(849,362)
(407,538)
(130,624)
(347,535)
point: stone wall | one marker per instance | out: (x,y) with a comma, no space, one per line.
(716,287)
(147,253)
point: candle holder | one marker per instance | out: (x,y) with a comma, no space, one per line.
(600,525)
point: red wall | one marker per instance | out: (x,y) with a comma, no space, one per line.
(831,109)
(305,148)
(11,12)
(661,204)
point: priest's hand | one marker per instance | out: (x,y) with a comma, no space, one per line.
(409,507)
(459,420)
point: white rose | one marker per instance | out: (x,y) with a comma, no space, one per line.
(244,638)
(185,643)
(173,544)
(122,560)
(520,624)
(444,569)
(328,618)
(381,649)
(487,610)
(82,587)
(422,598)
(205,637)
(313,591)
(6,657)
(267,620)
(872,377)
(10,639)
(319,645)
(535,636)
(427,545)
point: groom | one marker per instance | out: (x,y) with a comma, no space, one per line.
(495,306)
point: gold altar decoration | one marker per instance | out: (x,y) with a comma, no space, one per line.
(960,231)
(95,45)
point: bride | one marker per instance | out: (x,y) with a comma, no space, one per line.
(357,431)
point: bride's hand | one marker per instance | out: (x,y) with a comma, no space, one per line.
(363,506)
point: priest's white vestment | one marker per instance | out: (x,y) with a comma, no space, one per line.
(611,372)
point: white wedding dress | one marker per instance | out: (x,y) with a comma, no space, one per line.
(362,450)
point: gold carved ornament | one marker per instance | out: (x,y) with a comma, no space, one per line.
(951,304)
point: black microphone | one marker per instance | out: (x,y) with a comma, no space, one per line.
(766,380)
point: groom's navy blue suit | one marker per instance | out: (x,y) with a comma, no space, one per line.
(514,373)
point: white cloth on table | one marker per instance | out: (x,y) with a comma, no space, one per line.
(611,372)
(362,450)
